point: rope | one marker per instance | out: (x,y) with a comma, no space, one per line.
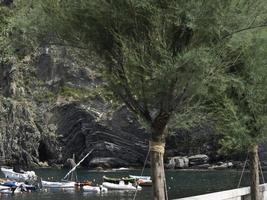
(242,172)
(262,176)
(157,147)
(166,189)
(143,169)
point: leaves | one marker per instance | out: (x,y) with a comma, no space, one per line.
(177,59)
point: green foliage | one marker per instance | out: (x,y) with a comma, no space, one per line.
(163,59)
(5,14)
(240,106)
(155,52)
(81,94)
(44,96)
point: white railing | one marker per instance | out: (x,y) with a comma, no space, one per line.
(235,194)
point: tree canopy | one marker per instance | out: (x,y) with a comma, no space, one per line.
(156,53)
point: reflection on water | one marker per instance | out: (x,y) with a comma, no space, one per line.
(179,183)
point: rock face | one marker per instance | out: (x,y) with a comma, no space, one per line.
(19,133)
(198,140)
(49,110)
(116,143)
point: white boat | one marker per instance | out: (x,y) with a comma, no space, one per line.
(23,176)
(121,186)
(121,169)
(97,189)
(141,177)
(143,180)
(52,184)
(4,187)
(9,190)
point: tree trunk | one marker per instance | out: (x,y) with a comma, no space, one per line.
(254,172)
(157,147)
(158,175)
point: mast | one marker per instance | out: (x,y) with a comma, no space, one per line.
(74,168)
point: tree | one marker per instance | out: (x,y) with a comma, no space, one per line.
(241,105)
(158,55)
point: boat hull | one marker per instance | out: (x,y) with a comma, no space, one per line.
(97,189)
(51,184)
(10,174)
(120,186)
(143,180)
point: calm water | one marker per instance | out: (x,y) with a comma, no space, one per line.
(179,183)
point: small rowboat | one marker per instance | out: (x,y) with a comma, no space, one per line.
(143,180)
(9,190)
(4,188)
(141,177)
(117,180)
(97,189)
(23,176)
(52,184)
(121,186)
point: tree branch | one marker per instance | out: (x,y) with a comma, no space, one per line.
(245,29)
(124,92)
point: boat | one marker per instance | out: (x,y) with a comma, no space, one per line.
(53,184)
(9,190)
(97,189)
(12,184)
(24,187)
(121,186)
(120,169)
(117,180)
(142,180)
(19,176)
(140,177)
(4,188)
(84,183)
(65,183)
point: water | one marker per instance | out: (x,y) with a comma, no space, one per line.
(180,183)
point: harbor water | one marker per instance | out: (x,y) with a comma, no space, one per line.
(180,183)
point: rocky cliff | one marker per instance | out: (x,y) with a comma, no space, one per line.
(51,109)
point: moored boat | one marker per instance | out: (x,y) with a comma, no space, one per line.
(19,176)
(9,190)
(121,186)
(142,180)
(97,189)
(13,185)
(53,184)
(117,180)
(2,187)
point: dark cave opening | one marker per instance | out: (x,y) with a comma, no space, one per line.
(44,153)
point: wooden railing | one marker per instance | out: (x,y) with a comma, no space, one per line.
(235,194)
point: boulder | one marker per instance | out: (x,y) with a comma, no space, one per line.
(199,159)
(178,162)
